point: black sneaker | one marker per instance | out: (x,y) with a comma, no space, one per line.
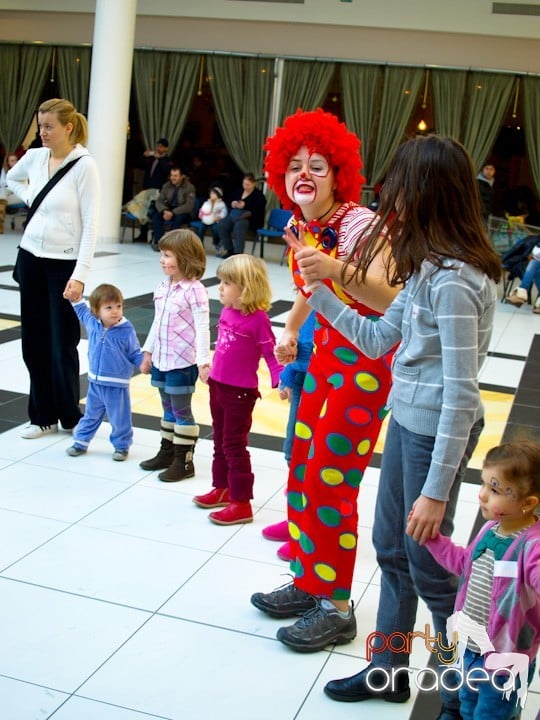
(321,626)
(287,601)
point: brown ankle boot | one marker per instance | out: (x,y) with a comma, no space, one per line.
(163,459)
(182,465)
(185,437)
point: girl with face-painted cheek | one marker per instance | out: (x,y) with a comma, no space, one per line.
(313,164)
(499,587)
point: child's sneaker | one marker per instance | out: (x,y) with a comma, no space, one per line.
(120,455)
(76,450)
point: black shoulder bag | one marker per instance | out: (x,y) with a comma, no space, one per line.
(58,175)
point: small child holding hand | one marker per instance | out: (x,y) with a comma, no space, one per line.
(244,336)
(113,350)
(498,598)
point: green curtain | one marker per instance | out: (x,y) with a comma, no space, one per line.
(448,92)
(164,87)
(24,69)
(361,90)
(488,96)
(305,85)
(73,67)
(399,97)
(531,117)
(242,91)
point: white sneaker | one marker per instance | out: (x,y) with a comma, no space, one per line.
(31,432)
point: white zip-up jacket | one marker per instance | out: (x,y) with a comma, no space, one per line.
(65,225)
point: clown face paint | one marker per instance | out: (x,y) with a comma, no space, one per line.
(169,265)
(309,181)
(499,499)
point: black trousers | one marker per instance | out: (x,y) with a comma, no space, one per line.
(50,333)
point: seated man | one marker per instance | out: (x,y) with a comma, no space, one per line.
(174,205)
(246,215)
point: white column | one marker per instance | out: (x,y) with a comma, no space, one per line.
(108,107)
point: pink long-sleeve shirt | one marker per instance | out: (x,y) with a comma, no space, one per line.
(242,341)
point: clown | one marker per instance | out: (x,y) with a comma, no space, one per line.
(313,164)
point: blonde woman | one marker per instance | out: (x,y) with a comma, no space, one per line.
(54,258)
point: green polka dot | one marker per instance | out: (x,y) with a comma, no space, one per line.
(297,500)
(383,412)
(346,355)
(347,541)
(294,531)
(332,476)
(300,472)
(341,594)
(338,444)
(303,431)
(353,478)
(307,545)
(325,572)
(336,380)
(310,384)
(329,516)
(363,447)
(367,382)
(311,451)
(297,568)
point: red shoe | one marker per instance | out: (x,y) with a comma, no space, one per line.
(235,513)
(278,531)
(217,497)
(284,552)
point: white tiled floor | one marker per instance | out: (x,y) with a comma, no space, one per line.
(120,601)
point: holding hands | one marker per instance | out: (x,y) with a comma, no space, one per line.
(204,372)
(73,291)
(425,518)
(286,350)
(146,364)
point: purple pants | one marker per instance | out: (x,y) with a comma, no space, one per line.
(232,410)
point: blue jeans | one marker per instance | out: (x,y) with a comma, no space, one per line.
(159,223)
(296,391)
(531,275)
(409,570)
(488,702)
(233,225)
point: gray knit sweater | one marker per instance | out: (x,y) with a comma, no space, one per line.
(443,320)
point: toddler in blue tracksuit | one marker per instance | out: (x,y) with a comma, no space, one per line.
(113,350)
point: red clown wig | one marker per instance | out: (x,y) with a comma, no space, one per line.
(321,132)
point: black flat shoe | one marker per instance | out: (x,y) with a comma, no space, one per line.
(363,686)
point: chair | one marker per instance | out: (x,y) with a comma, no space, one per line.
(129,220)
(16,210)
(515,261)
(277,222)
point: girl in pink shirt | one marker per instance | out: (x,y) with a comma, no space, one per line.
(244,336)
